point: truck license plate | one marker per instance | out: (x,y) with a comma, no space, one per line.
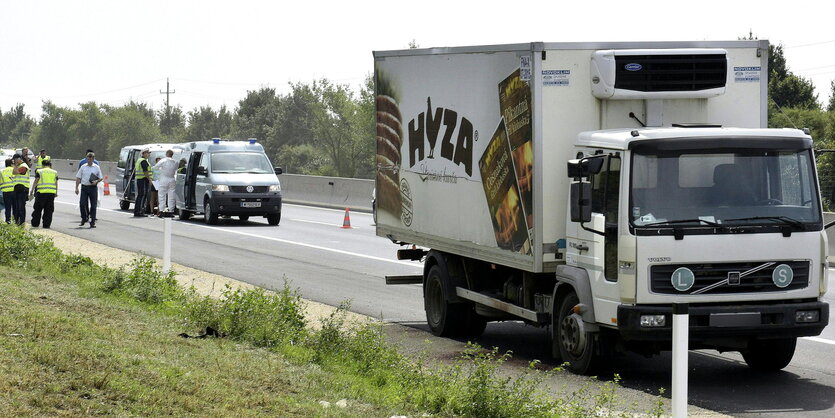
(250,204)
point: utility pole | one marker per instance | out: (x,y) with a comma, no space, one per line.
(167,94)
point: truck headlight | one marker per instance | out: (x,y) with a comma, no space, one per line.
(220,188)
(807,316)
(653,321)
(275,187)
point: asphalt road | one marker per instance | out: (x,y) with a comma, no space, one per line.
(330,264)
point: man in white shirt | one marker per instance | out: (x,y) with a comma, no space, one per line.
(167,168)
(88,176)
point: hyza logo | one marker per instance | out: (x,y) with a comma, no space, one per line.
(427,128)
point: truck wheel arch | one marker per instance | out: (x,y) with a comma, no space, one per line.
(451,266)
(575,279)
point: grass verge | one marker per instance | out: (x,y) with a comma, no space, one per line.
(77,338)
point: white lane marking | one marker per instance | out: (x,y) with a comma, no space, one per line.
(819,340)
(301,244)
(321,223)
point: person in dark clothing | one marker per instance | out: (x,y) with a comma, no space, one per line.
(45,189)
(21,189)
(7,187)
(142,173)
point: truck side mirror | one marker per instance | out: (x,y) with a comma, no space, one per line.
(580,197)
(201,171)
(585,167)
(278,170)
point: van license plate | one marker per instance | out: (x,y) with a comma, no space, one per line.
(250,204)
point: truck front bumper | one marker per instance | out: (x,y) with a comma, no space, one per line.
(714,322)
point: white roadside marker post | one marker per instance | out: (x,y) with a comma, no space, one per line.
(166,252)
(681,343)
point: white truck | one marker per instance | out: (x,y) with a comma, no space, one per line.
(589,187)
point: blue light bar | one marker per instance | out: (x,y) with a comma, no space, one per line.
(216,140)
(252,140)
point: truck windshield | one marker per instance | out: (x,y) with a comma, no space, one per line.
(709,189)
(240,162)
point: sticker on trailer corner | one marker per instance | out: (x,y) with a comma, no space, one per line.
(558,78)
(747,74)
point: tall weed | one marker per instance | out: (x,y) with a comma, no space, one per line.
(144,281)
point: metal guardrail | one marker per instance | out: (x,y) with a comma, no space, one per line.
(330,192)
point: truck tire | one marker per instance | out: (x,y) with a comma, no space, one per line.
(124,205)
(209,216)
(576,346)
(769,355)
(274,218)
(448,319)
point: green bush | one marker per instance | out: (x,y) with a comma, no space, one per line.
(255,316)
(144,282)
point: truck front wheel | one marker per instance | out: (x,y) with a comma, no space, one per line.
(769,355)
(448,319)
(576,346)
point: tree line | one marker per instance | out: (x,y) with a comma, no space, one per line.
(327,128)
(318,128)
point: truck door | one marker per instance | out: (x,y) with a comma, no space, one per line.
(601,258)
(191,180)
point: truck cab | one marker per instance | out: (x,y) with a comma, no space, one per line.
(228,178)
(726,220)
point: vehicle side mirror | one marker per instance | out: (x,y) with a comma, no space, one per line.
(201,171)
(585,167)
(580,197)
(278,170)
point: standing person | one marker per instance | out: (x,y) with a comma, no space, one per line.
(21,189)
(39,160)
(88,176)
(84,160)
(7,187)
(142,172)
(167,168)
(45,188)
(24,154)
(153,195)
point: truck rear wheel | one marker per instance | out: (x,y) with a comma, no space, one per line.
(769,355)
(448,319)
(576,346)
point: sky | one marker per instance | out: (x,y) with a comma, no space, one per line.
(213,52)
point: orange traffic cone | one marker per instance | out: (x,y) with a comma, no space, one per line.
(347,222)
(106,187)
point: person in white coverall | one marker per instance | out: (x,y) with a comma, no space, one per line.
(167,169)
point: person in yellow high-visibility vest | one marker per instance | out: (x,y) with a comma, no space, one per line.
(45,188)
(21,189)
(40,159)
(142,174)
(7,187)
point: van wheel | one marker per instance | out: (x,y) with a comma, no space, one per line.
(274,218)
(124,205)
(209,216)
(184,215)
(244,217)
(576,346)
(769,355)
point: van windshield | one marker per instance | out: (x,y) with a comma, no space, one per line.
(240,162)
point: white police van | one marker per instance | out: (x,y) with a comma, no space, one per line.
(125,167)
(233,178)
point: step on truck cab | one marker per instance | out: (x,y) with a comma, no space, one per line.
(587,187)
(228,178)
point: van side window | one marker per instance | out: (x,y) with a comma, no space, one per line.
(123,157)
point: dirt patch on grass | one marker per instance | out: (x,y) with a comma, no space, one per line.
(207,284)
